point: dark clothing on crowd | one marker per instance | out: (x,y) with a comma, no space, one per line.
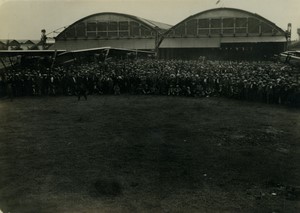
(268,82)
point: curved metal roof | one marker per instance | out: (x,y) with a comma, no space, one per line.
(230,9)
(154,25)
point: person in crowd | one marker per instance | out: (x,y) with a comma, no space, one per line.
(81,87)
(117,89)
(10,88)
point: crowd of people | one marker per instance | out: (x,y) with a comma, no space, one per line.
(268,82)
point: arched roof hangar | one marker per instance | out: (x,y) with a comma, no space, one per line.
(213,27)
(111,29)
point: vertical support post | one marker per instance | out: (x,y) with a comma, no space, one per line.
(3,64)
(53,60)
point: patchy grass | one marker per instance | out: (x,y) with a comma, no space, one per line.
(148,154)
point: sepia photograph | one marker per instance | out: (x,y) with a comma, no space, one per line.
(149,106)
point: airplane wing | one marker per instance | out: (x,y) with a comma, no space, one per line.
(99,49)
(11,53)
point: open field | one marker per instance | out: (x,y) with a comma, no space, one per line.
(148,154)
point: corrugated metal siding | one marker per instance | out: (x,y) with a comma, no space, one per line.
(190,43)
(142,44)
(253,39)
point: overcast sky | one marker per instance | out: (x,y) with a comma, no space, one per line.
(24,19)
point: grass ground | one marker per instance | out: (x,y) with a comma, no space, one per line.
(148,154)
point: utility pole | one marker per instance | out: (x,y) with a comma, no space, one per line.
(288,33)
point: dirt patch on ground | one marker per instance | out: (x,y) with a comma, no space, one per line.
(148,154)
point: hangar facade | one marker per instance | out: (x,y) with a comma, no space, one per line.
(111,30)
(223,33)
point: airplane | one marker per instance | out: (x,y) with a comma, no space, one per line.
(290,57)
(102,54)
(64,57)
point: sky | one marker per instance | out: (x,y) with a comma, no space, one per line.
(24,19)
